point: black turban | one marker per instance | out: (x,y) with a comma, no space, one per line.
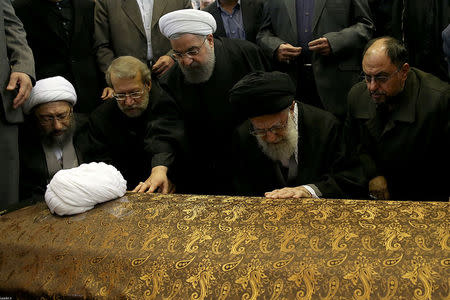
(262,93)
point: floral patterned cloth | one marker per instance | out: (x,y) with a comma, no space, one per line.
(145,246)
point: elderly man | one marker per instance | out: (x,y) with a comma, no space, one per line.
(399,117)
(136,131)
(16,76)
(319,42)
(46,139)
(287,149)
(207,68)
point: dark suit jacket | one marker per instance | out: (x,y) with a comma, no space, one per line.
(252,16)
(119,29)
(346,24)
(412,148)
(15,56)
(321,155)
(74,61)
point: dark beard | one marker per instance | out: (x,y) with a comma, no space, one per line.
(51,140)
(384,109)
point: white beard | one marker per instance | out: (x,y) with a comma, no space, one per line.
(200,73)
(283,150)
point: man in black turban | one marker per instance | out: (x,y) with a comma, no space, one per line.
(287,149)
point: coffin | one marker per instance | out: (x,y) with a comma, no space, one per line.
(152,246)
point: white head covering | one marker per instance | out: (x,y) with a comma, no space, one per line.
(187,21)
(49,90)
(76,190)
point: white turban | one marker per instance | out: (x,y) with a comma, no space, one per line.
(187,21)
(76,190)
(49,90)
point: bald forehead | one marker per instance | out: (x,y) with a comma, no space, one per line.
(378,48)
(376,55)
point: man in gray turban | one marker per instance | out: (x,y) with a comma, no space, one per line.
(288,149)
(206,69)
(46,141)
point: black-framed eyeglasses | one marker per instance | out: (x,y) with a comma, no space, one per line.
(133,95)
(194,51)
(275,129)
(49,119)
(378,78)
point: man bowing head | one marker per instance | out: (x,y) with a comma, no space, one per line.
(287,149)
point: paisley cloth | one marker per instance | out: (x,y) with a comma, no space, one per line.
(145,246)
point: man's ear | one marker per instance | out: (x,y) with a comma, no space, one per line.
(148,85)
(292,105)
(405,69)
(210,39)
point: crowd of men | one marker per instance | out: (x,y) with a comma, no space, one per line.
(274,98)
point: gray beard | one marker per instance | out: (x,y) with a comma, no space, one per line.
(50,140)
(283,150)
(200,73)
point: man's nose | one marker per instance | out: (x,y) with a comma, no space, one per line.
(57,124)
(270,137)
(186,60)
(372,85)
(128,100)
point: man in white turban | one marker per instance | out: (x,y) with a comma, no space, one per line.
(46,140)
(206,69)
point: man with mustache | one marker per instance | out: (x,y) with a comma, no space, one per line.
(137,130)
(398,122)
(47,140)
(206,69)
(288,149)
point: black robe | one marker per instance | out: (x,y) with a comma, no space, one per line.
(419,24)
(54,54)
(209,118)
(321,160)
(34,175)
(134,145)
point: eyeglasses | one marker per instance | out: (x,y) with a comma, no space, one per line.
(276,129)
(134,95)
(62,117)
(377,78)
(194,51)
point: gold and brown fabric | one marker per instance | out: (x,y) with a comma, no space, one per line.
(203,247)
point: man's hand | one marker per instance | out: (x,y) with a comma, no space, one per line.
(289,192)
(378,188)
(157,182)
(287,52)
(162,65)
(321,46)
(107,93)
(23,81)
